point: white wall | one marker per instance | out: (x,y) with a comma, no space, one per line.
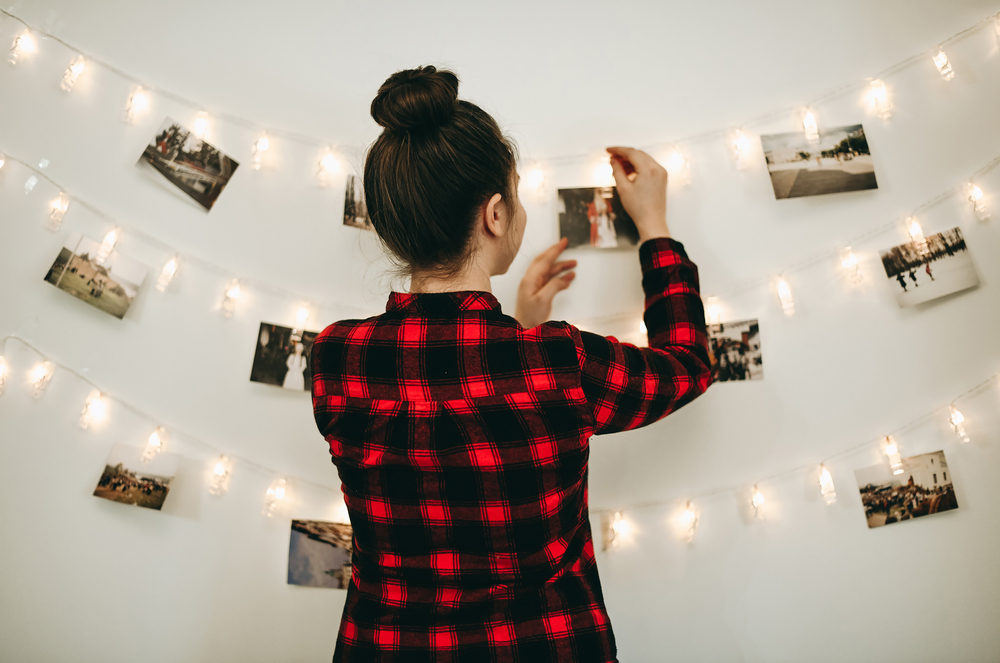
(205,580)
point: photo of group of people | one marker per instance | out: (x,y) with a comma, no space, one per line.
(319,554)
(283,357)
(109,284)
(838,161)
(734,350)
(192,165)
(129,480)
(919,486)
(355,210)
(594,217)
(924,270)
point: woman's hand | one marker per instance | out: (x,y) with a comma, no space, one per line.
(542,280)
(642,186)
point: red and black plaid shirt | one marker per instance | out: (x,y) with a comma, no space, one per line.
(462,440)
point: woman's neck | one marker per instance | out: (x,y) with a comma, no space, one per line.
(472,278)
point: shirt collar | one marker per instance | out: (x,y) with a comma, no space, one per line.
(443,302)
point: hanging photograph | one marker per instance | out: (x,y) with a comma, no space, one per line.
(594,217)
(839,161)
(283,357)
(319,554)
(128,480)
(734,350)
(109,285)
(189,163)
(919,486)
(921,271)
(355,210)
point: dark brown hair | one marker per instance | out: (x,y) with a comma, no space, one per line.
(438,160)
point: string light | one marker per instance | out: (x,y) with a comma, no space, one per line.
(41,375)
(23,45)
(785,296)
(620,528)
(3,374)
(329,166)
(810,126)
(275,494)
(167,273)
(534,178)
(678,165)
(604,174)
(976,198)
(138,103)
(94,410)
(154,445)
(73,71)
(29,184)
(891,451)
(943,65)
(826,488)
(301,316)
(739,147)
(687,523)
(757,502)
(642,327)
(201,124)
(917,235)
(849,261)
(221,473)
(107,246)
(229,298)
(957,423)
(3,159)
(879,99)
(713,310)
(57,211)
(260,146)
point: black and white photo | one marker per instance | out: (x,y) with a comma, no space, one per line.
(191,164)
(594,217)
(129,480)
(355,210)
(319,554)
(734,349)
(921,271)
(839,161)
(919,486)
(109,285)
(283,357)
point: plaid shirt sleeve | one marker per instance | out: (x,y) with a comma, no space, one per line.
(628,386)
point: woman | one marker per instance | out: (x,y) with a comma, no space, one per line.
(460,433)
(296,364)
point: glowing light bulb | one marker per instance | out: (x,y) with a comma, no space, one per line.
(167,273)
(757,502)
(29,184)
(604,175)
(261,145)
(535,178)
(687,523)
(229,298)
(57,210)
(24,44)
(3,374)
(329,167)
(891,451)
(785,296)
(201,124)
(154,445)
(221,473)
(957,421)
(41,375)
(341,513)
(713,310)
(917,235)
(73,71)
(94,410)
(849,262)
(3,159)
(826,488)
(676,163)
(943,65)
(138,103)
(275,494)
(107,246)
(810,126)
(301,316)
(879,99)
(739,147)
(976,198)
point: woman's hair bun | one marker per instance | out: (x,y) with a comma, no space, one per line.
(416,99)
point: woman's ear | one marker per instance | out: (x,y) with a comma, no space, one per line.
(495,216)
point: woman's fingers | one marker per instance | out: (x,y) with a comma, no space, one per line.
(559,267)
